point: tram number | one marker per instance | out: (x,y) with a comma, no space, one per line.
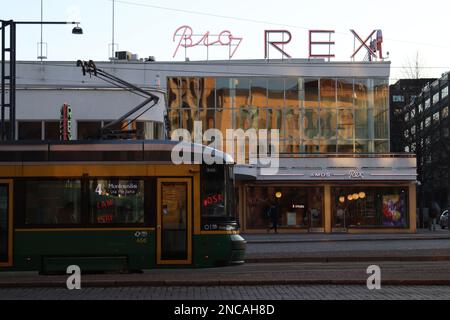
(210,227)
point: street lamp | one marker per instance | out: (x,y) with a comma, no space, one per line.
(10,79)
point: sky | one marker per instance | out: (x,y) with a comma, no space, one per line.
(146,28)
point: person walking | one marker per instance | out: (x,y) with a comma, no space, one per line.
(435,211)
(273,215)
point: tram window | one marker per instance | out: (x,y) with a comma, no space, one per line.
(53,202)
(118,202)
(217,191)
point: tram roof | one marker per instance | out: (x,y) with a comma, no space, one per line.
(159,151)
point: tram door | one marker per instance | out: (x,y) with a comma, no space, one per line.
(6,223)
(174,222)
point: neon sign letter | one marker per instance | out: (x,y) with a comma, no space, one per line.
(316,43)
(186,35)
(364,44)
(276,44)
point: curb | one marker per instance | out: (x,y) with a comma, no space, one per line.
(221,283)
(348,259)
(342,240)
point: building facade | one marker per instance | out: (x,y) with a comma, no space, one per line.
(336,172)
(402,93)
(426,133)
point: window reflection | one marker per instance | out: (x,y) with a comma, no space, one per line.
(330,115)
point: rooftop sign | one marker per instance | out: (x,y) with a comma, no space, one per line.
(320,42)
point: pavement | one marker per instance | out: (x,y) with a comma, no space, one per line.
(196,296)
(422,234)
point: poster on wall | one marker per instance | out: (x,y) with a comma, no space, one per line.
(393,210)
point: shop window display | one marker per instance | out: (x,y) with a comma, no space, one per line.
(298,207)
(369,207)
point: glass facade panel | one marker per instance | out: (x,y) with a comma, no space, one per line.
(328,123)
(259,93)
(327,93)
(345,93)
(385,207)
(311,123)
(345,124)
(313,115)
(311,87)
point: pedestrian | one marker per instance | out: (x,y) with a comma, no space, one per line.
(273,215)
(435,211)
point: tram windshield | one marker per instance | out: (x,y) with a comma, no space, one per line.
(217,192)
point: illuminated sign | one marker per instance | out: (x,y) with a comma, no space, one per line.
(356,174)
(185,38)
(319,40)
(214,199)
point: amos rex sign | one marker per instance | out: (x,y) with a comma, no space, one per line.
(277,40)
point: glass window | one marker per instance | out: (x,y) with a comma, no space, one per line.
(361,94)
(444,113)
(217,188)
(116,201)
(293,91)
(444,92)
(207,93)
(311,93)
(435,98)
(354,207)
(292,123)
(247,118)
(296,207)
(345,124)
(427,122)
(398,98)
(311,124)
(345,93)
(242,96)
(88,130)
(173,93)
(413,129)
(407,117)
(148,130)
(361,126)
(30,130)
(327,93)
(52,130)
(191,93)
(225,91)
(427,103)
(436,117)
(52,202)
(275,92)
(381,123)
(328,123)
(345,146)
(382,146)
(4,225)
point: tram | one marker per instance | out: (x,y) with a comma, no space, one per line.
(114,206)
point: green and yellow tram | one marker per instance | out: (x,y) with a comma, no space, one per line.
(114,206)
